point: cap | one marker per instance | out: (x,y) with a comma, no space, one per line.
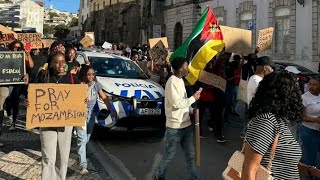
(292,69)
(265,61)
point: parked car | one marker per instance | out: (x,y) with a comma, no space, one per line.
(138,101)
(303,73)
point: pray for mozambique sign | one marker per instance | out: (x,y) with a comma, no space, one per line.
(56,105)
(12,67)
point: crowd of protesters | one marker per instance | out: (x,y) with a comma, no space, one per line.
(273,101)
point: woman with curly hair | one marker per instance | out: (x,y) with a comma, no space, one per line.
(277,102)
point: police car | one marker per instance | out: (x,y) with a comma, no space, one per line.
(138,101)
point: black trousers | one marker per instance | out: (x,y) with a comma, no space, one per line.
(12,102)
(216,116)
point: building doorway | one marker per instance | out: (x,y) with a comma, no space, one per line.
(178,30)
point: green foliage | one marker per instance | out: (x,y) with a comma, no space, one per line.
(61,31)
(73,22)
(47,29)
(53,14)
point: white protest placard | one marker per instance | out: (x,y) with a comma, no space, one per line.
(213,80)
(106,45)
(265,38)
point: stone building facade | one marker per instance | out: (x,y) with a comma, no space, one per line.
(297,27)
(127,21)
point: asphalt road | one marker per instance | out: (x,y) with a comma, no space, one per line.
(138,152)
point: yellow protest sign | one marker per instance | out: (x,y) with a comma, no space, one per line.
(154,41)
(265,39)
(237,40)
(35,39)
(87,41)
(56,105)
(213,80)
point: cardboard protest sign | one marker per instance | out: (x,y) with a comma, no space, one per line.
(34,38)
(91,35)
(12,67)
(237,40)
(87,41)
(56,105)
(213,80)
(154,41)
(158,53)
(47,43)
(265,39)
(7,35)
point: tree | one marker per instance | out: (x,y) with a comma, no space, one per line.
(73,22)
(47,29)
(53,14)
(61,31)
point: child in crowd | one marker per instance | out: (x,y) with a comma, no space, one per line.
(87,76)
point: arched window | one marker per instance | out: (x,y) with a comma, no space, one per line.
(245,19)
(282,31)
(178,31)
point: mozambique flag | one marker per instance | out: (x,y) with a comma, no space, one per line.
(202,45)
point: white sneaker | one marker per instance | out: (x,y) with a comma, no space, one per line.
(1,144)
(84,171)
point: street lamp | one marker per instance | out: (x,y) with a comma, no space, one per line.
(198,9)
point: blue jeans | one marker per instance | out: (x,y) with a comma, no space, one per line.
(83,137)
(185,138)
(310,144)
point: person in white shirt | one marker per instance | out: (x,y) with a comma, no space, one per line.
(264,67)
(309,131)
(179,130)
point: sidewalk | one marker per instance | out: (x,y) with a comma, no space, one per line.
(21,157)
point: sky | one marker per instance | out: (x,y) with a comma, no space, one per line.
(63,5)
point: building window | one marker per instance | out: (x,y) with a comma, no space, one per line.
(245,19)
(98,7)
(178,32)
(110,2)
(94,6)
(104,3)
(221,15)
(282,31)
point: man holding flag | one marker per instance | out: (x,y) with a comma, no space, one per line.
(200,47)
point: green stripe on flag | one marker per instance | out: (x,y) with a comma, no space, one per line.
(183,49)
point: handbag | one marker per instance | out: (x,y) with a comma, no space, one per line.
(243,86)
(234,168)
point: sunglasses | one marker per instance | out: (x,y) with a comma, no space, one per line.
(91,74)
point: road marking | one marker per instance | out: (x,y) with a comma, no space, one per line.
(114,166)
(156,160)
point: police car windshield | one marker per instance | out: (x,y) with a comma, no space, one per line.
(116,67)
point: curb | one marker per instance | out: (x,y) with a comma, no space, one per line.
(110,163)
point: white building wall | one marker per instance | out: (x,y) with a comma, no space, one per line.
(301,32)
(32,15)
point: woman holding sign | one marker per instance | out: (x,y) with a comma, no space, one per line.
(56,142)
(12,104)
(87,76)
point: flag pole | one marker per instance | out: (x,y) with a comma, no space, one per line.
(197,137)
